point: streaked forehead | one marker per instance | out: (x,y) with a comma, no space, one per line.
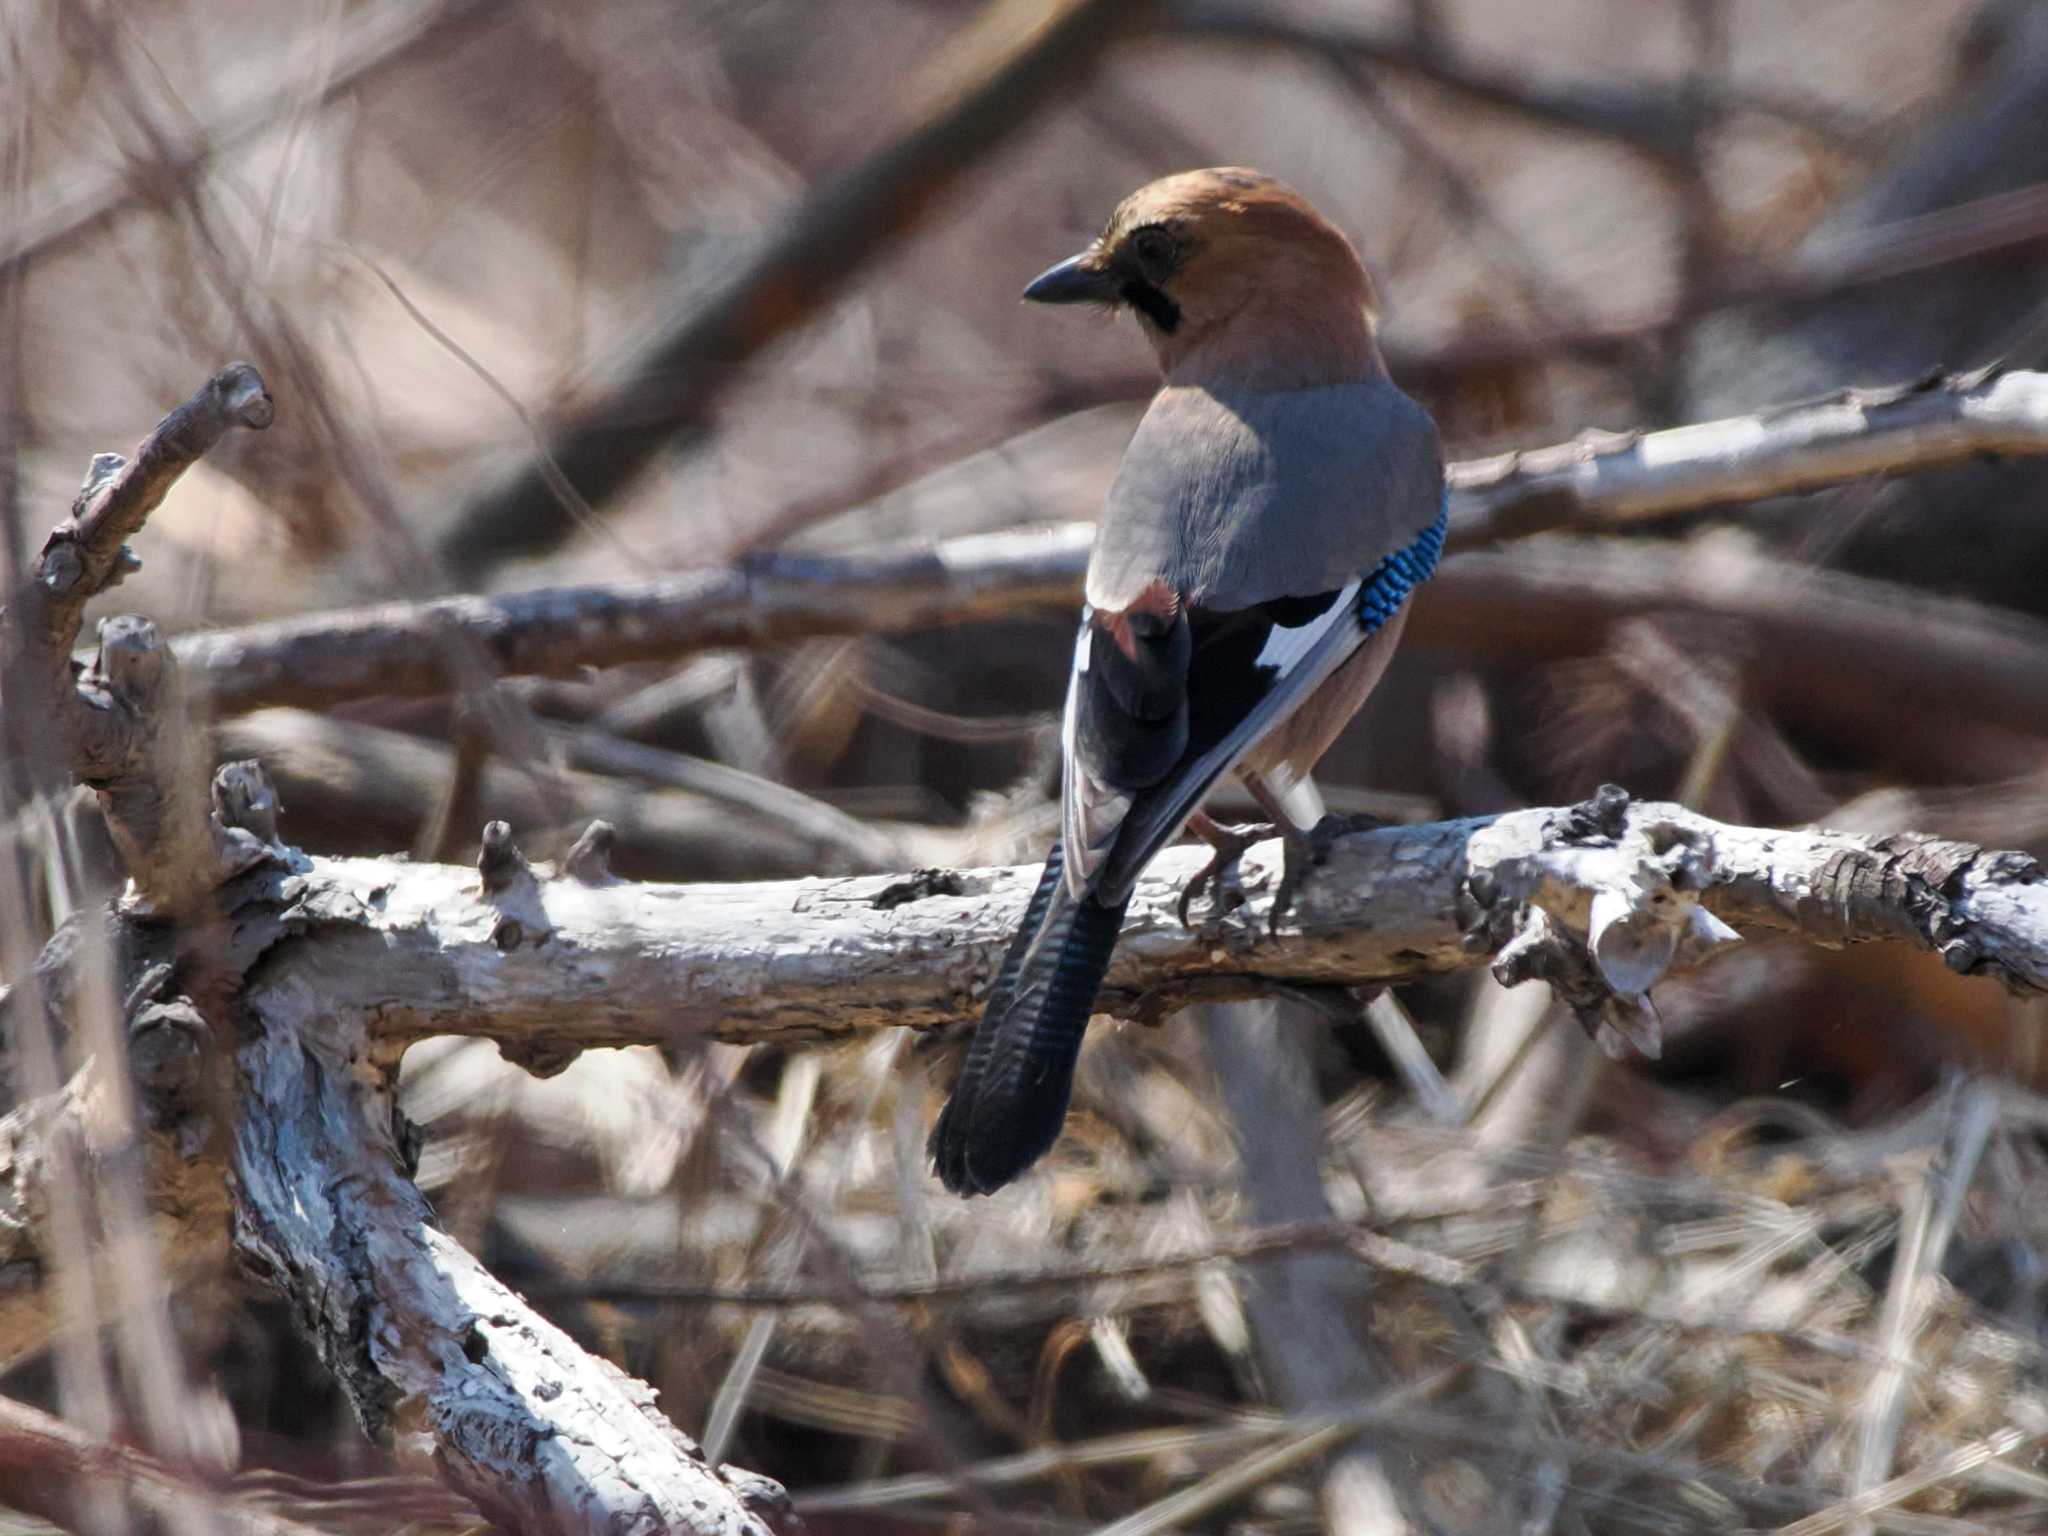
(1196,196)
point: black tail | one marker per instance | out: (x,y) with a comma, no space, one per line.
(1007,1107)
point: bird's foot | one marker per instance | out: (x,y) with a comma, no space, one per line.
(1219,875)
(1307,851)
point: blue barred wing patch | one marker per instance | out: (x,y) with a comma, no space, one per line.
(1387,588)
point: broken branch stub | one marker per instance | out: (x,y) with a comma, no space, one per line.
(120,726)
(1609,905)
(304,1159)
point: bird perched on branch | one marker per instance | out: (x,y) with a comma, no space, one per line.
(1278,503)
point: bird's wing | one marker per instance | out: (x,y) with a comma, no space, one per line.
(1219,604)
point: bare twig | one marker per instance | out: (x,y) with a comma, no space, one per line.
(1957,1463)
(861,843)
(393,36)
(376,781)
(1011,62)
(1650,120)
(1390,1414)
(120,728)
(322,659)
(2014,221)
(1928,1223)
(46,1464)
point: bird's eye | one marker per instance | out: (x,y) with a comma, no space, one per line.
(1153,248)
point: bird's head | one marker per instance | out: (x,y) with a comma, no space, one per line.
(1233,278)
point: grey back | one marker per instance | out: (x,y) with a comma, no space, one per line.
(1235,498)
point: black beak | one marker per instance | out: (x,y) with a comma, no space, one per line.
(1077,280)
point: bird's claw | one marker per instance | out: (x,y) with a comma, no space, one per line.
(1220,873)
(1308,851)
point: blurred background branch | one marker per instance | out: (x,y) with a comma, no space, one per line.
(983,88)
(659,440)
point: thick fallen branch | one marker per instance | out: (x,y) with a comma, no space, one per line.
(342,963)
(312,1174)
(317,660)
(336,966)
(540,1435)
(548,966)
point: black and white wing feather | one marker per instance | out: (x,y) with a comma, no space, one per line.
(1250,546)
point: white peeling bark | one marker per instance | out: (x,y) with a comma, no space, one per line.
(550,966)
(540,1435)
(347,961)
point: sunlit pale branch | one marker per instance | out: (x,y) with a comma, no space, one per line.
(1621,477)
(568,965)
(540,1435)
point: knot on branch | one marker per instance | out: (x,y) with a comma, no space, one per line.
(1543,949)
(1602,904)
(244,799)
(60,568)
(100,474)
(1604,814)
(1931,891)
(1905,883)
(243,820)
(499,862)
(589,859)
(764,1498)
(234,397)
(171,1054)
(128,669)
(242,396)
(511,889)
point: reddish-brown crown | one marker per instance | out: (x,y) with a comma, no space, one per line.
(1264,290)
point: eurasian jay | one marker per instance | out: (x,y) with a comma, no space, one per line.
(1278,503)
